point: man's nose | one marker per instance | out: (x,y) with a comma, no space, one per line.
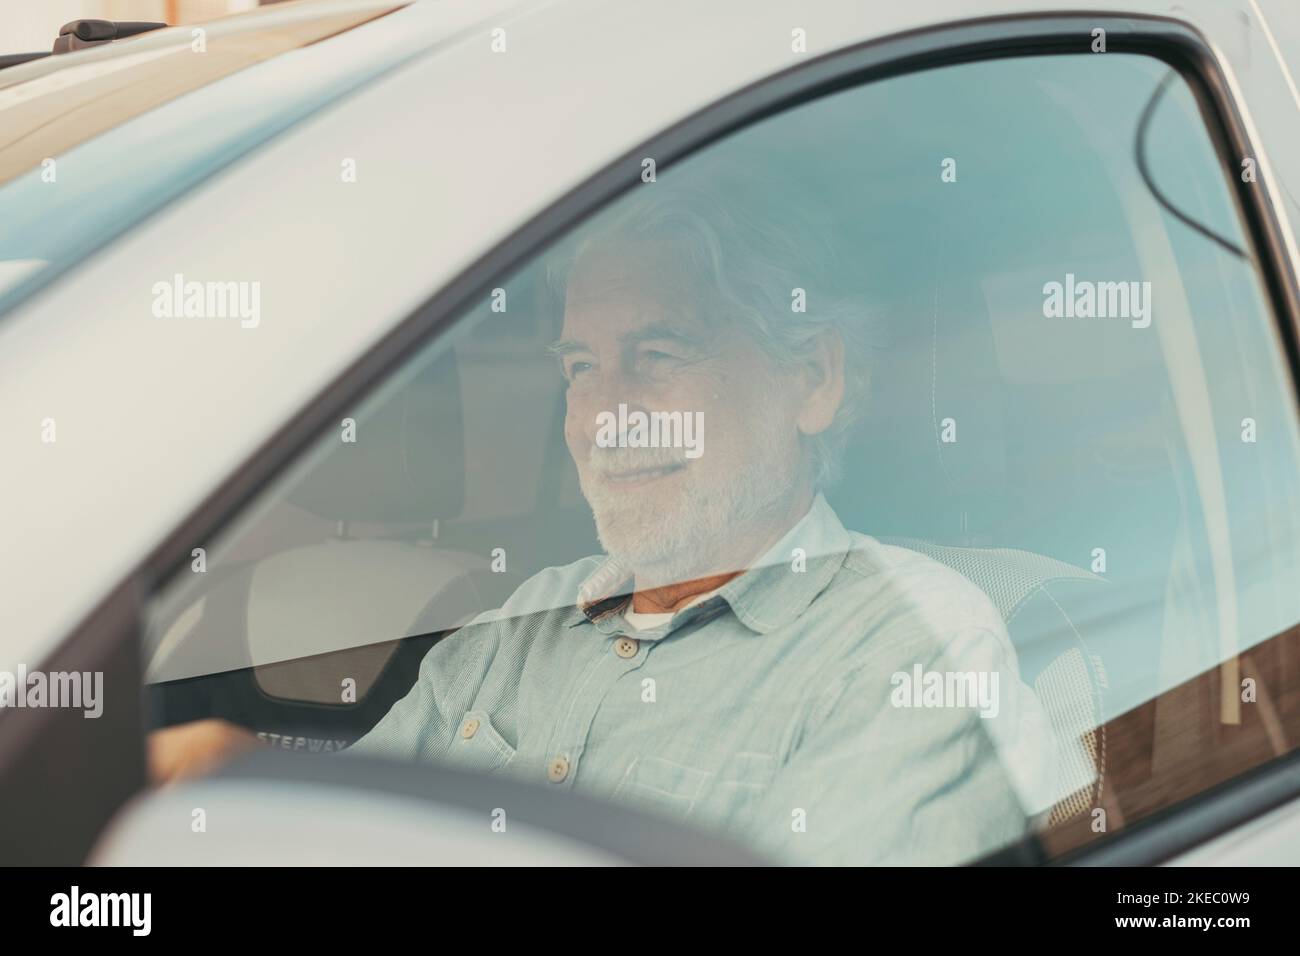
(610,389)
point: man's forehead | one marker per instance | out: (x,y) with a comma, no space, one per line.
(627,288)
(641,268)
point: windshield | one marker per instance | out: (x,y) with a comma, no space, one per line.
(92,146)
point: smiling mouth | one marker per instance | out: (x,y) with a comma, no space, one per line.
(641,475)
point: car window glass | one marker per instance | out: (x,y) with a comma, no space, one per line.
(963,462)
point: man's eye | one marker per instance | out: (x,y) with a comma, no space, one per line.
(655,357)
(576,369)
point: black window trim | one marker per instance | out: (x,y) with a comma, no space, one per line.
(1152,840)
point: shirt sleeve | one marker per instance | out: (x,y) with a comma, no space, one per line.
(454,675)
(423,724)
(871,781)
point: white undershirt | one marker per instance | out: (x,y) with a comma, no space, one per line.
(647,622)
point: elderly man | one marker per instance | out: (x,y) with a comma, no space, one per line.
(736,658)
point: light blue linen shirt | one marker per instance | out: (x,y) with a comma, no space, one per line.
(769,711)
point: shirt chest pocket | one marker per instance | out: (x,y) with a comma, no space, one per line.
(479,746)
(745,779)
(675,789)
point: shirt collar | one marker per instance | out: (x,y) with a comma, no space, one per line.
(775,591)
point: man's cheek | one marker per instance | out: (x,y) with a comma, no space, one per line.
(574,438)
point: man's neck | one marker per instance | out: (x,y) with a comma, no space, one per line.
(671,597)
(664,599)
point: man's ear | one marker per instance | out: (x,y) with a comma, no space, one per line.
(822,373)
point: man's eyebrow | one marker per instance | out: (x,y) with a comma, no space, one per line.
(565,346)
(664,331)
(659,331)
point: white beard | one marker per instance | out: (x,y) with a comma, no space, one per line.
(713,510)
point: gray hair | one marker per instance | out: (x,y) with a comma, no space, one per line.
(746,246)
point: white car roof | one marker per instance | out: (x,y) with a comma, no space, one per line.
(453,152)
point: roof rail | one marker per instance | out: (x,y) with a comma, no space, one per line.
(79,34)
(15,59)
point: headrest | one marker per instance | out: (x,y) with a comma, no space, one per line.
(901,477)
(407,464)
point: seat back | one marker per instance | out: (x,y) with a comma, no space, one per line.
(1041,600)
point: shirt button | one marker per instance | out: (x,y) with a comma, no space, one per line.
(558,769)
(626,647)
(469,728)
